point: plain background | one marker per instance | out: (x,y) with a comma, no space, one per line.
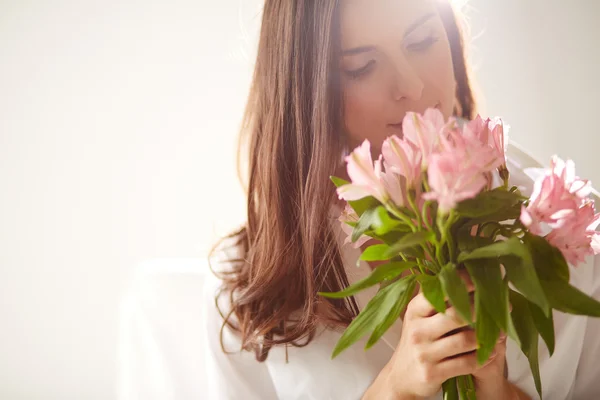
(117,129)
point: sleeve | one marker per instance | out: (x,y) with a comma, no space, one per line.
(169,343)
(587,377)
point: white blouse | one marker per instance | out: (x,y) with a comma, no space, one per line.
(170,345)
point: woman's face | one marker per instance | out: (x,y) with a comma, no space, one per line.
(395,58)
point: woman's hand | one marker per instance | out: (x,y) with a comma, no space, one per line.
(490,379)
(433,348)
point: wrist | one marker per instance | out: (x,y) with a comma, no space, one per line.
(502,391)
(399,390)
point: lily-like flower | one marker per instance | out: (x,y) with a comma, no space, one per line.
(555,195)
(576,237)
(403,158)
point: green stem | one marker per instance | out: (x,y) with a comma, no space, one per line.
(411,201)
(425,215)
(396,213)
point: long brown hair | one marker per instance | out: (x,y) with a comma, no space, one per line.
(292,140)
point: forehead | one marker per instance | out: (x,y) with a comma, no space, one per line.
(363,21)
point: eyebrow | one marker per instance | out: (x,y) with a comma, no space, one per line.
(409,30)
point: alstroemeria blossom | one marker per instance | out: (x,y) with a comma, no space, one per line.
(368,178)
(555,195)
(458,172)
(490,132)
(403,158)
(364,174)
(425,131)
(349,215)
(576,237)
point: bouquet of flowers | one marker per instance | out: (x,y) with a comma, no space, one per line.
(438,204)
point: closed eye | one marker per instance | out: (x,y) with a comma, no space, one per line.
(361,71)
(423,44)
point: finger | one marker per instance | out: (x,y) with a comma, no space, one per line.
(460,365)
(419,307)
(450,346)
(443,324)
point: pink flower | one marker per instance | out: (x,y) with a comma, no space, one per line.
(576,237)
(499,137)
(555,195)
(490,132)
(395,187)
(472,150)
(403,158)
(368,179)
(425,131)
(349,215)
(451,181)
(458,171)
(595,236)
(365,176)
(566,170)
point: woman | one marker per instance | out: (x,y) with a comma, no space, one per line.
(329,74)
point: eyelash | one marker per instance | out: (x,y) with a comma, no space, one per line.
(361,71)
(419,46)
(423,45)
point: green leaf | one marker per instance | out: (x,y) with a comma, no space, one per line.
(338,181)
(393,236)
(511,330)
(450,390)
(361,205)
(456,290)
(364,223)
(403,291)
(549,262)
(510,247)
(504,214)
(488,203)
(528,334)
(432,290)
(545,326)
(368,319)
(492,290)
(567,298)
(385,223)
(523,275)
(467,242)
(381,273)
(486,329)
(410,240)
(376,252)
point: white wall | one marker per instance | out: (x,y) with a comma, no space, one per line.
(117,129)
(539,67)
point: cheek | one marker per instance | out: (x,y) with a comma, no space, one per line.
(365,113)
(438,74)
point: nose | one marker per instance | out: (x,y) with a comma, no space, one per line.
(407,83)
